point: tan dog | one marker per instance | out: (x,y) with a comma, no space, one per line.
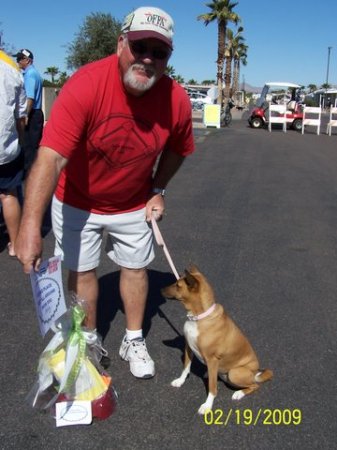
(215,339)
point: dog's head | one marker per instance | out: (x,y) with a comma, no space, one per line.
(193,290)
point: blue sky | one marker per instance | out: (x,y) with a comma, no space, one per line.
(288,39)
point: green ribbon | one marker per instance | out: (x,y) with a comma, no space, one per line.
(76,338)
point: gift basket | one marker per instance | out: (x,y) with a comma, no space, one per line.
(69,368)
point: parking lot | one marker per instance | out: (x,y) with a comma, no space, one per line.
(257,213)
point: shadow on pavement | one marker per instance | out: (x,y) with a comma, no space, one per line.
(3,239)
(110,302)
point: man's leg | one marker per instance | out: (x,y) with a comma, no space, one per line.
(78,241)
(33,134)
(130,245)
(85,285)
(12,214)
(134,290)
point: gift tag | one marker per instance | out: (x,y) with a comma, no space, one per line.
(48,293)
(73,413)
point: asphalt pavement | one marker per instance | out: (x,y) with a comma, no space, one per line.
(257,213)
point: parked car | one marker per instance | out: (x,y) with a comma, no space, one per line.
(198,100)
(278,93)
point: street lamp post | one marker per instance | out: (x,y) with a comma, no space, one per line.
(327,78)
(327,69)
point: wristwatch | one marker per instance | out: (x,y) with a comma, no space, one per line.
(159,191)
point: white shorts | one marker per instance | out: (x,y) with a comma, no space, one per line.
(79,235)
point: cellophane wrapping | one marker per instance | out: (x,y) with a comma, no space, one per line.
(69,367)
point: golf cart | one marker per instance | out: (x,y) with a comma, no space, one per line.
(278,93)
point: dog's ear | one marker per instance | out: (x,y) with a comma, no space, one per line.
(191,281)
(194,269)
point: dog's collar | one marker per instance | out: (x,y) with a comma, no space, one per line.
(202,315)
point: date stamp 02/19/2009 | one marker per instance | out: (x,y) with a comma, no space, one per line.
(249,417)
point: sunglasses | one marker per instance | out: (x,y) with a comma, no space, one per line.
(140,48)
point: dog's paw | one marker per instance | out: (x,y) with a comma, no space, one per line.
(204,408)
(208,405)
(178,382)
(238,395)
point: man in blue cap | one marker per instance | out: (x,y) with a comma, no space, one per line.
(35,119)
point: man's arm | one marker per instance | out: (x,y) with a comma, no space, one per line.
(30,103)
(168,165)
(40,187)
(20,113)
(20,127)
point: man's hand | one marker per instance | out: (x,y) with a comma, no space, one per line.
(40,187)
(156,206)
(28,248)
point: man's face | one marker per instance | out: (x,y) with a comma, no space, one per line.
(141,63)
(23,62)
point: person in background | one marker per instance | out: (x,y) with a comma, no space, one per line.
(35,119)
(12,122)
(110,123)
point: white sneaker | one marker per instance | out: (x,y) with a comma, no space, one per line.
(135,351)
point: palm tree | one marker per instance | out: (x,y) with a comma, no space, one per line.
(231,41)
(52,71)
(179,79)
(208,82)
(239,56)
(221,12)
(62,78)
(170,71)
(312,87)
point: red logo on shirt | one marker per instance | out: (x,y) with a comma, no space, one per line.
(121,140)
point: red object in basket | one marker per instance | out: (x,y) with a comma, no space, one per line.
(104,406)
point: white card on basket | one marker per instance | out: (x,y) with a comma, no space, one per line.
(48,292)
(73,413)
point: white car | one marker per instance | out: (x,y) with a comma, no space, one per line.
(198,100)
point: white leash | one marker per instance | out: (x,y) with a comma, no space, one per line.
(160,241)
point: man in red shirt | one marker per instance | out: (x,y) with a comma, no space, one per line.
(108,126)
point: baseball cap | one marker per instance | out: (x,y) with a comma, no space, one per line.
(24,53)
(149,22)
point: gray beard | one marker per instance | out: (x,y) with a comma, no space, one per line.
(131,81)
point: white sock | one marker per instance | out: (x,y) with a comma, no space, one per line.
(133,334)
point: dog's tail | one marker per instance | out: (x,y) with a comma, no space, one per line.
(263,375)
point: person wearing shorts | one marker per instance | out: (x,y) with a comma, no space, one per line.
(114,121)
(12,122)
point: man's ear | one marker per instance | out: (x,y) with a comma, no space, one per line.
(120,44)
(191,281)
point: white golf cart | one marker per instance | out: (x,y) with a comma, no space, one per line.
(278,93)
